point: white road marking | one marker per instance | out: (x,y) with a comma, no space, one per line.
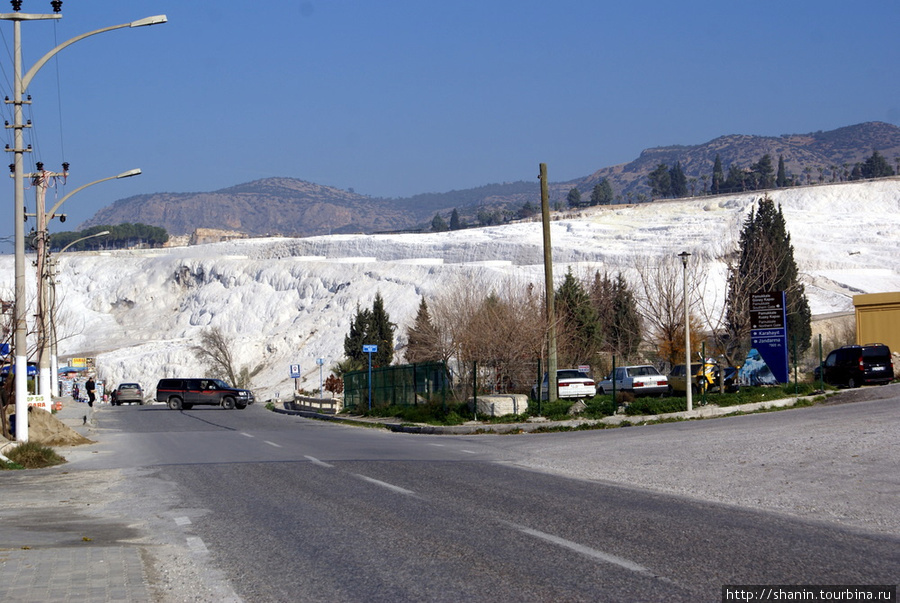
(438,445)
(182,521)
(391,487)
(468,451)
(589,552)
(272,444)
(196,545)
(316,461)
(247,435)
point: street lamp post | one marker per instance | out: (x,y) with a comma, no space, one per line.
(20,85)
(684,255)
(54,359)
(47,382)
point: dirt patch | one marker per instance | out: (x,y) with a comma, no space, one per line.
(46,429)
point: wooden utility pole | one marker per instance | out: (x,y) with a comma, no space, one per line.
(548,286)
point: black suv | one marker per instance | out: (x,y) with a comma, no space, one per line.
(855,365)
(185,393)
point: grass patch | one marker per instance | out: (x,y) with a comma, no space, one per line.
(32,455)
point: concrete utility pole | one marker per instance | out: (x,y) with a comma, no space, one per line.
(548,286)
(40,180)
(21,80)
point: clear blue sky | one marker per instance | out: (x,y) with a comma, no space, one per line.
(400,97)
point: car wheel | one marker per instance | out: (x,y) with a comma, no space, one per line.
(851,383)
(175,403)
(228,403)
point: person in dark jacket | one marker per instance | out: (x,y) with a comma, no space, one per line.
(90,387)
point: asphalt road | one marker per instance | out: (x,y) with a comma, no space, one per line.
(280,508)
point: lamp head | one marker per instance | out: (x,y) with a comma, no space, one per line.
(149,21)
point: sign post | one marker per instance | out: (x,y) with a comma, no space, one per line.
(370,349)
(295,375)
(321,363)
(768,331)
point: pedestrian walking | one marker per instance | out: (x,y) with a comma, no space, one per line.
(90,387)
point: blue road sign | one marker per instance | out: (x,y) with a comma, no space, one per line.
(370,349)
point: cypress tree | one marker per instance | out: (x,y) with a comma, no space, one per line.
(766,263)
(678,181)
(454,220)
(781,178)
(718,175)
(381,332)
(578,321)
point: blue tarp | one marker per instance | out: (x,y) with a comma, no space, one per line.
(32,370)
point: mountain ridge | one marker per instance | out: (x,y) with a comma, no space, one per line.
(294,207)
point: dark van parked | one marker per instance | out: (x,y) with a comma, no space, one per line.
(855,365)
(185,393)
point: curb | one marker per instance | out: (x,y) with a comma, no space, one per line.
(703,412)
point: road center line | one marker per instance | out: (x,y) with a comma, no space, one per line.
(316,461)
(272,444)
(392,487)
(589,552)
(247,435)
(182,521)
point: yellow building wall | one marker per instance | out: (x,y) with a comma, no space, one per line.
(878,319)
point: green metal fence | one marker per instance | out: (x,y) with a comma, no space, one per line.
(403,385)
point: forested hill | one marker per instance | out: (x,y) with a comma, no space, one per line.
(294,207)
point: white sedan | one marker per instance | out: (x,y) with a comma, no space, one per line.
(571,383)
(638,380)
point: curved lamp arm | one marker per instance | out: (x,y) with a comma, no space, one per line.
(128,174)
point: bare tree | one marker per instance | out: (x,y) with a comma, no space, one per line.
(214,352)
(502,331)
(660,300)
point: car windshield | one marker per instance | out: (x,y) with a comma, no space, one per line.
(220,384)
(129,386)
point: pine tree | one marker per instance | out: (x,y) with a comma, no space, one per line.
(423,338)
(574,198)
(876,166)
(763,173)
(765,263)
(660,181)
(370,327)
(602,193)
(438,224)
